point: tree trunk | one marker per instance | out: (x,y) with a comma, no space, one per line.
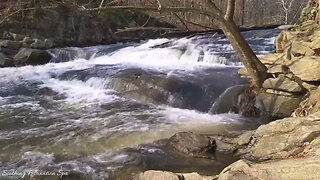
(255,68)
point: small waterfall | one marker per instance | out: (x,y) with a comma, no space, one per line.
(66,115)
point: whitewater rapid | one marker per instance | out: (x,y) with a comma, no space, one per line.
(64,116)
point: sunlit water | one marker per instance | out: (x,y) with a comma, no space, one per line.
(64,116)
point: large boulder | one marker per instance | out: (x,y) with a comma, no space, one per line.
(282,83)
(288,169)
(5,61)
(272,59)
(306,67)
(192,144)
(27,56)
(282,138)
(229,101)
(310,105)
(10,44)
(315,41)
(277,105)
(301,48)
(190,91)
(283,40)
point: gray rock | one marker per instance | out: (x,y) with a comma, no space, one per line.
(49,43)
(306,68)
(10,44)
(17,37)
(193,144)
(9,52)
(277,105)
(228,100)
(5,61)
(188,92)
(31,57)
(245,138)
(38,44)
(27,40)
(282,83)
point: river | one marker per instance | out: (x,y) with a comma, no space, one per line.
(64,116)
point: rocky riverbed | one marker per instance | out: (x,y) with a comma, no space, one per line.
(287,148)
(109,111)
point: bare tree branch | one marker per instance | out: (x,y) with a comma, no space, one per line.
(213,6)
(25,9)
(230,10)
(181,20)
(213,14)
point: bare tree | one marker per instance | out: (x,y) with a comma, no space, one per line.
(286,7)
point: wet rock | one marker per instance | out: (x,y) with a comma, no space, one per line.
(8,52)
(282,83)
(31,57)
(277,105)
(5,61)
(165,175)
(283,138)
(288,169)
(187,91)
(243,72)
(306,68)
(141,85)
(193,144)
(229,100)
(10,44)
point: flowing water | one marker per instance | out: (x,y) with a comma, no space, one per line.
(63,116)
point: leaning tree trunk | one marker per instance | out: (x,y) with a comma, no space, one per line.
(255,68)
(225,22)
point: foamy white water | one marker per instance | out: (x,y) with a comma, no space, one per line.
(64,115)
